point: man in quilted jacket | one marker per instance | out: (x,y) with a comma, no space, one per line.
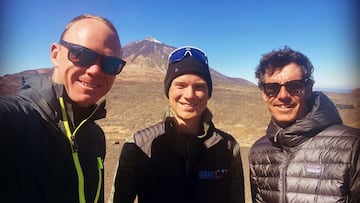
(307,154)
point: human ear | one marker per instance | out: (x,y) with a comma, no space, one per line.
(54,54)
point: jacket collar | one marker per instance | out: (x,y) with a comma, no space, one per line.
(206,119)
(45,93)
(323,114)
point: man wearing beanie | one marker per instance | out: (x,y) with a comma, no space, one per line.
(184,158)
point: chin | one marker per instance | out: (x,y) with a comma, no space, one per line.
(284,122)
(189,116)
(85,101)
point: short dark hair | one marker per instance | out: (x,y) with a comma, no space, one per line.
(280,58)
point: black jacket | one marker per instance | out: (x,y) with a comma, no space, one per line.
(159,165)
(314,160)
(36,155)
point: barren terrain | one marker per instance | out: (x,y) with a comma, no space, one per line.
(237,109)
(137,100)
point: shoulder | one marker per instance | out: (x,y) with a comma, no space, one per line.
(224,135)
(339,135)
(342,130)
(148,134)
(339,132)
(144,138)
(19,121)
(13,105)
(218,136)
(263,144)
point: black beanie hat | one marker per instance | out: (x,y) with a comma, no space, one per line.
(185,66)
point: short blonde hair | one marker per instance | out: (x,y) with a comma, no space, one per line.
(90,16)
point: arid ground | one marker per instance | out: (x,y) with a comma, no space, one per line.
(238,110)
(137,100)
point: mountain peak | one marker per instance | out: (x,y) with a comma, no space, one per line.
(152,39)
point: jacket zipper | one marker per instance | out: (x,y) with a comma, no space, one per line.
(74,149)
(283,177)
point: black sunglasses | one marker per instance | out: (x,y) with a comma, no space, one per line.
(180,53)
(294,87)
(84,57)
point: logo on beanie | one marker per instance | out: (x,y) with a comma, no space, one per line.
(188,52)
(176,70)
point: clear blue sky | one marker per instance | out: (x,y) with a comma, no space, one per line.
(234,34)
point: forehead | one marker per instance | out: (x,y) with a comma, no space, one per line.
(94,34)
(189,77)
(283,74)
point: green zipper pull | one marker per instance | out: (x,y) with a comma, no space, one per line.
(100,163)
(100,167)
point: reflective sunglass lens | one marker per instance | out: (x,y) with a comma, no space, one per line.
(199,55)
(112,65)
(181,53)
(82,57)
(177,55)
(293,87)
(272,89)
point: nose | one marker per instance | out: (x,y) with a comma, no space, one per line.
(283,93)
(95,68)
(189,92)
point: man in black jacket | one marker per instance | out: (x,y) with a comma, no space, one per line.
(307,155)
(184,158)
(51,148)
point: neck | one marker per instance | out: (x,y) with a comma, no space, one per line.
(188,127)
(56,76)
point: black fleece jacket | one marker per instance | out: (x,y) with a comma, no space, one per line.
(36,155)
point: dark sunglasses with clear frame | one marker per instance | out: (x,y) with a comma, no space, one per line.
(294,87)
(84,57)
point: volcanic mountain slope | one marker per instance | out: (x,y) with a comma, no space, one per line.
(152,54)
(146,61)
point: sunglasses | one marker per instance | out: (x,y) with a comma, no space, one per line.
(84,57)
(180,53)
(294,87)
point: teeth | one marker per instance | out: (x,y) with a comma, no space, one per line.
(89,85)
(284,106)
(189,105)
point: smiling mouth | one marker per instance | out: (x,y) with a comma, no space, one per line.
(185,105)
(285,106)
(89,85)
